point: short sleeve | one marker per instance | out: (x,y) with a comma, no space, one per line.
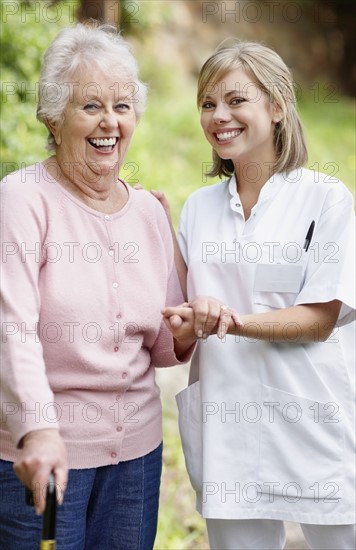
(330,272)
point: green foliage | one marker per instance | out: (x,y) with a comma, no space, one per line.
(27,28)
(168,152)
(172,154)
(330,132)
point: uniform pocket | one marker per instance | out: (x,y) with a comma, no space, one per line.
(277,285)
(301,446)
(190,428)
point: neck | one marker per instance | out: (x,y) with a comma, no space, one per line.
(251,177)
(104,194)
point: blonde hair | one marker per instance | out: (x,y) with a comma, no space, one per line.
(274,78)
(78,48)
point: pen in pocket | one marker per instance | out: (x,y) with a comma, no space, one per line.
(309,236)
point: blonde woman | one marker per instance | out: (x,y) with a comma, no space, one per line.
(267,420)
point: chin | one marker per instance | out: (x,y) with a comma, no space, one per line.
(106,169)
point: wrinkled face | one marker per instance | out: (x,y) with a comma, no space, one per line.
(98,124)
(238,119)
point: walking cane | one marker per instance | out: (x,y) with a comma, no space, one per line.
(48,541)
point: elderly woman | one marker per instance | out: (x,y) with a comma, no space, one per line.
(88,265)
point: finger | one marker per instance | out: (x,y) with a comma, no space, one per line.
(223,326)
(39,489)
(176,321)
(138,186)
(182,311)
(237,319)
(158,194)
(208,318)
(200,317)
(212,319)
(224,321)
(200,307)
(61,477)
(161,197)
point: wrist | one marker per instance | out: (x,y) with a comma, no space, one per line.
(184,350)
(38,434)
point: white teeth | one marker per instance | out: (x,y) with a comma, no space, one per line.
(228,135)
(106,142)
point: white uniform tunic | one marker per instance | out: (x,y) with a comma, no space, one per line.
(267,428)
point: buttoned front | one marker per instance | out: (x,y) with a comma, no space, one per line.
(271,425)
(100,333)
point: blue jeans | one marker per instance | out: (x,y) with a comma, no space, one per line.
(111,507)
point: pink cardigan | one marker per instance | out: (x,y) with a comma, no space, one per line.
(82,329)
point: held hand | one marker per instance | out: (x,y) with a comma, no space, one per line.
(180,321)
(43,452)
(212,316)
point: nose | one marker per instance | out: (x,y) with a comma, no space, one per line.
(109,120)
(221,112)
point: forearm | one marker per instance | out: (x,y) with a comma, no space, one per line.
(297,324)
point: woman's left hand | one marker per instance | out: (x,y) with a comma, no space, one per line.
(212,316)
(202,316)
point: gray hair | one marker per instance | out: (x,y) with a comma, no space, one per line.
(274,78)
(78,48)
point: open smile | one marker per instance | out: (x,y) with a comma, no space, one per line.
(227,135)
(105,145)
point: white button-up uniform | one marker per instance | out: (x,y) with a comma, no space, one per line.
(267,428)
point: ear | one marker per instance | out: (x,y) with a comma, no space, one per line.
(54,128)
(277,113)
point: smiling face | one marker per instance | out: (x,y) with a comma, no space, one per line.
(239,119)
(94,136)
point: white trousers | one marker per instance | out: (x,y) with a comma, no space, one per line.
(265,534)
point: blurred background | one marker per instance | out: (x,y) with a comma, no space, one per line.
(171,39)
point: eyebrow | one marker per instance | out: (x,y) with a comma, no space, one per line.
(229,94)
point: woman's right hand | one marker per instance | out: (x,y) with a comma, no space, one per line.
(180,321)
(42,452)
(161,197)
